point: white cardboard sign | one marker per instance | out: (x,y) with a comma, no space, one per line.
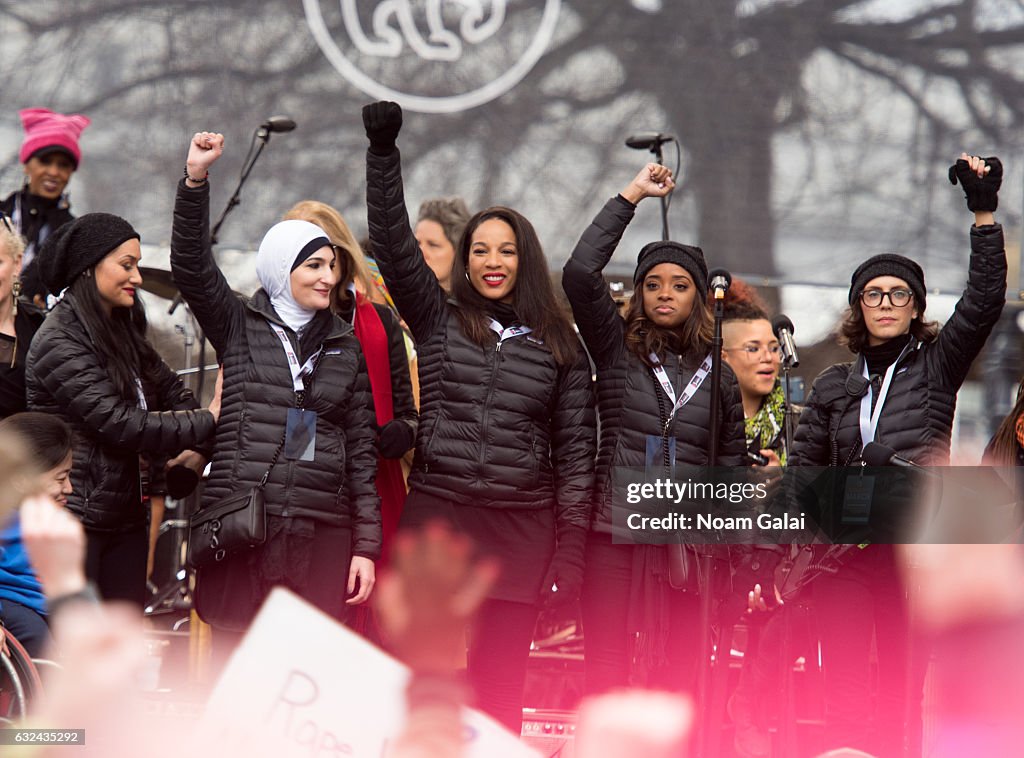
(300,684)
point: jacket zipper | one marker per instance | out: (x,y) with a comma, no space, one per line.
(487,403)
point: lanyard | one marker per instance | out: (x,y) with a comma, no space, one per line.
(698,379)
(298,372)
(44,231)
(508,333)
(869,420)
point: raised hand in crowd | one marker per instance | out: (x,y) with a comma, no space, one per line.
(980,179)
(203,152)
(653,180)
(55,541)
(430,592)
(382,121)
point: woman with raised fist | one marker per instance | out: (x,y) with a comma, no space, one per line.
(900,391)
(654,400)
(506,439)
(296,415)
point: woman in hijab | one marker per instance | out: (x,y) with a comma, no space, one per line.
(295,408)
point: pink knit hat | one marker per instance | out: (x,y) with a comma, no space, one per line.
(46,129)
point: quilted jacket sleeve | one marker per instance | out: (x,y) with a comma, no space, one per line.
(69,370)
(593,308)
(361,470)
(217,309)
(964,335)
(416,292)
(574,444)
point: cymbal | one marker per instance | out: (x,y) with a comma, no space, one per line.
(158,282)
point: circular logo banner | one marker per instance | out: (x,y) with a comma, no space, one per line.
(433,56)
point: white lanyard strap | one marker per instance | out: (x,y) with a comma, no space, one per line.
(868,420)
(508,333)
(298,372)
(698,379)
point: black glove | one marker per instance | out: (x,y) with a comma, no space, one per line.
(396,437)
(982,192)
(566,569)
(383,121)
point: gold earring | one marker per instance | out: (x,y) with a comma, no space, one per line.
(16,293)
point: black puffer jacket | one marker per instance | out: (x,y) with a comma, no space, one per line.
(64,376)
(917,418)
(627,393)
(500,428)
(337,486)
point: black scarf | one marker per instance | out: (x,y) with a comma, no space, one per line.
(314,333)
(503,313)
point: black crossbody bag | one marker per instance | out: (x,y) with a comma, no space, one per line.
(233,525)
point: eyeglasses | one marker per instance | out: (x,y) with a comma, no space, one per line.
(753,351)
(899,298)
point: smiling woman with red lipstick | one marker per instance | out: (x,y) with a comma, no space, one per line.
(901,391)
(296,415)
(505,445)
(91,364)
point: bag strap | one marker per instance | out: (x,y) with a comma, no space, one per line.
(273,461)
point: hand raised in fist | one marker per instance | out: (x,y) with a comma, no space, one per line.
(382,121)
(203,152)
(654,180)
(980,178)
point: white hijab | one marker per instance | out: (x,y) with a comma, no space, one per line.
(280,247)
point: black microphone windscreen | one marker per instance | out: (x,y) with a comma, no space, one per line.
(876,454)
(781,322)
(642,141)
(278,124)
(720,272)
(181,481)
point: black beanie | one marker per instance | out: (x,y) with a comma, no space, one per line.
(889,264)
(689,257)
(80,245)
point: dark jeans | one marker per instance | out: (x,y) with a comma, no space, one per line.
(116,563)
(28,627)
(606,606)
(326,587)
(864,599)
(499,650)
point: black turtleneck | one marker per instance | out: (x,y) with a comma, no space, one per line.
(880,357)
(503,313)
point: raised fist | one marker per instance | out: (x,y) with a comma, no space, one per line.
(654,180)
(203,152)
(980,178)
(382,121)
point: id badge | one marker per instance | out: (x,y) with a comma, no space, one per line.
(655,457)
(300,435)
(857,500)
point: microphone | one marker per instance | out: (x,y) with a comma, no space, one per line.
(278,124)
(720,280)
(783,329)
(876,454)
(648,140)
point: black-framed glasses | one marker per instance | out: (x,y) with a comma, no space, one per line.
(899,298)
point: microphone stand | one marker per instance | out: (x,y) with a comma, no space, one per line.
(787,366)
(706,552)
(263,136)
(660,160)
